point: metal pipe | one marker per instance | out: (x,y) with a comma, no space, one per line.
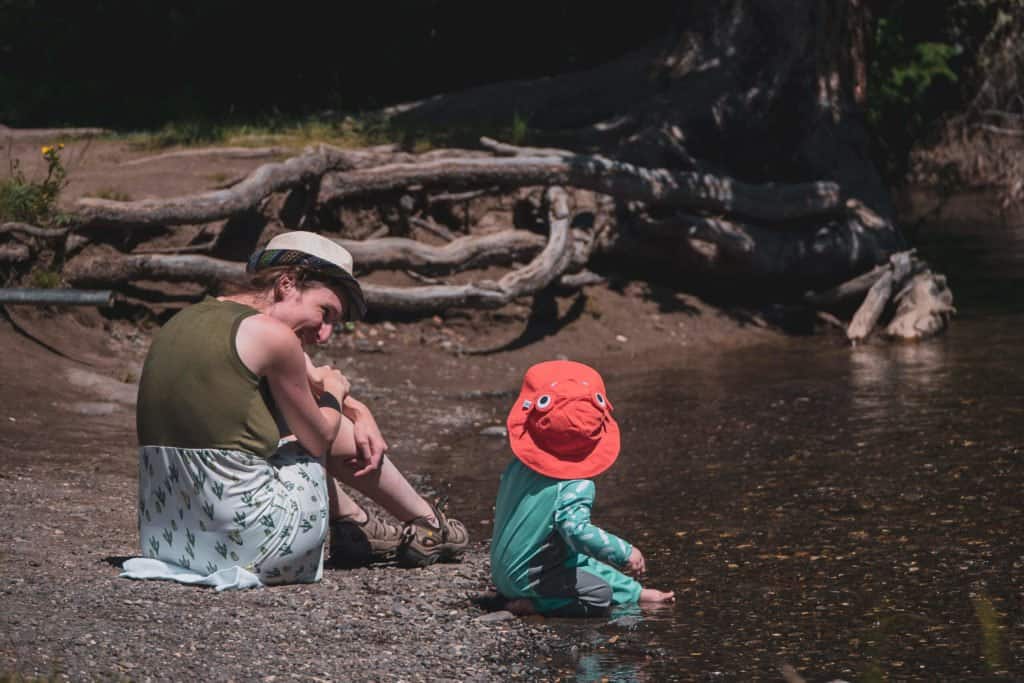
(63,297)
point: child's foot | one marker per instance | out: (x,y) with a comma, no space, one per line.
(651,596)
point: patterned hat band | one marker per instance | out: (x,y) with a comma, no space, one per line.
(291,258)
(272,258)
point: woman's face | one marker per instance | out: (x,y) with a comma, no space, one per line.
(311,311)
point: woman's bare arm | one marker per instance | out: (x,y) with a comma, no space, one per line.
(270,349)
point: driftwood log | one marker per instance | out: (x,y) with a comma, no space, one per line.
(463,253)
(551,263)
(32,231)
(702,191)
(917,301)
(306,168)
(807,232)
(923,308)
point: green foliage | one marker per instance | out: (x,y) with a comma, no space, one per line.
(991,632)
(24,200)
(520,130)
(42,278)
(184,134)
(910,79)
(925,66)
(352,131)
(912,86)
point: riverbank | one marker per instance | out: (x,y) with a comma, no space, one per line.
(68,495)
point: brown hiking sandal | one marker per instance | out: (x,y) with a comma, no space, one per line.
(357,545)
(423,544)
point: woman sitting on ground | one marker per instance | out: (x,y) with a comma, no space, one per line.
(243,440)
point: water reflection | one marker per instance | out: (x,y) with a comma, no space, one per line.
(888,382)
(855,513)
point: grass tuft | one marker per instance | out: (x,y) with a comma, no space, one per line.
(347,132)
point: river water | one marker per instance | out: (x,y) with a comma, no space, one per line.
(854,513)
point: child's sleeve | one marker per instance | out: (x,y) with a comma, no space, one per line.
(572,520)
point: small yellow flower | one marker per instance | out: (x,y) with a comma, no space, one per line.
(60,145)
(46,150)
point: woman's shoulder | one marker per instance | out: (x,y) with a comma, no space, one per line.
(264,342)
(268,330)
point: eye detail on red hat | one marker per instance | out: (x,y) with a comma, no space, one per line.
(600,400)
(544,403)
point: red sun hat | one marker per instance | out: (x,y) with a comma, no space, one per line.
(561,425)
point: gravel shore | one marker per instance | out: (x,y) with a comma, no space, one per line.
(67,614)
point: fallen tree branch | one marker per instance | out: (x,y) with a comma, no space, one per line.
(433,228)
(452,197)
(834,250)
(217,204)
(187,249)
(25,228)
(870,311)
(704,191)
(229,152)
(924,308)
(459,254)
(536,275)
(867,316)
(423,278)
(584,278)
(847,290)
(14,253)
(507,150)
(110,268)
(860,285)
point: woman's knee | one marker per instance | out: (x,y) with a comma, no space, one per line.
(344,445)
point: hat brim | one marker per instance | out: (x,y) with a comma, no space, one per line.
(356,300)
(356,309)
(537,459)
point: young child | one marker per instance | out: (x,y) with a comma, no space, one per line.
(546,556)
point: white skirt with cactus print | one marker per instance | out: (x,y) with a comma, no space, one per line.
(202,511)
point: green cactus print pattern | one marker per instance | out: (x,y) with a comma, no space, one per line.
(253,513)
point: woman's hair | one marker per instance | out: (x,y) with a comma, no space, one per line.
(262,280)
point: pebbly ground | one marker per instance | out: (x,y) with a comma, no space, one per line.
(68,492)
(67,484)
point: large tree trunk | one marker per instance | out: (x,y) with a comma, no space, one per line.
(762,91)
(732,151)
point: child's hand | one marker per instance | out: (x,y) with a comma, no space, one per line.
(636,564)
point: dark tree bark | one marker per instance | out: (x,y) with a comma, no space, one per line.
(762,91)
(732,149)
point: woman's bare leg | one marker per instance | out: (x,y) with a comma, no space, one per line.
(386,486)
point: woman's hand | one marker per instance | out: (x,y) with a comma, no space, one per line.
(326,378)
(316,375)
(370,443)
(636,564)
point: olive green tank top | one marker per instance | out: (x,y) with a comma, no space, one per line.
(195,391)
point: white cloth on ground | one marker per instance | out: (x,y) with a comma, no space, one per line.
(230,519)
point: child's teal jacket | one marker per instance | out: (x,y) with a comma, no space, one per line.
(540,520)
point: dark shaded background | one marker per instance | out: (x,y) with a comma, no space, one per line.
(131,63)
(141,64)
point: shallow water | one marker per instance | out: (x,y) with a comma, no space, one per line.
(855,513)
